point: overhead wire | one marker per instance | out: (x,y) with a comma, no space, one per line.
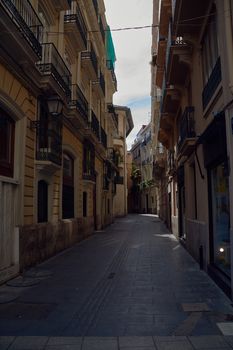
(182,22)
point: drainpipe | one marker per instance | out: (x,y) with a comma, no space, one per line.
(229,59)
(229,40)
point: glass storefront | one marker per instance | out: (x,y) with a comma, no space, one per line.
(220,218)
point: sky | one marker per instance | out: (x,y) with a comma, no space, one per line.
(133,52)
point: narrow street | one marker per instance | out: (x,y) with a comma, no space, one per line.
(132,279)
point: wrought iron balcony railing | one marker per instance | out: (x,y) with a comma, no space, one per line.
(53,64)
(79,101)
(92,56)
(212,84)
(103,137)
(78,19)
(26,19)
(49,140)
(187,126)
(95,125)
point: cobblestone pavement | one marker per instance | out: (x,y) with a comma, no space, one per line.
(116,290)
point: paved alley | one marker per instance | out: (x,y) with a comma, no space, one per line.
(132,279)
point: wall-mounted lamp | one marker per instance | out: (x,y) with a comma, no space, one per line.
(55,105)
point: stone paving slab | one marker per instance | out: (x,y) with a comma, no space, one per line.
(117,343)
(135,279)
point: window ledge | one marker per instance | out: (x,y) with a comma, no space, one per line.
(9,180)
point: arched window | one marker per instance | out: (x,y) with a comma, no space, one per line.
(42,200)
(68,187)
(7,142)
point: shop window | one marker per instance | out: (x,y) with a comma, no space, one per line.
(221,253)
(7,141)
(68,187)
(42,199)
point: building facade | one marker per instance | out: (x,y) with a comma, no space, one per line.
(57,165)
(125,125)
(194,73)
(142,158)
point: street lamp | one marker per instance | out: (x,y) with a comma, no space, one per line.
(55,105)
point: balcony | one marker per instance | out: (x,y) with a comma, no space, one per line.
(103,137)
(56,76)
(95,125)
(110,67)
(111,110)
(76,30)
(187,134)
(62,5)
(90,62)
(99,86)
(113,157)
(188,18)
(78,103)
(170,100)
(212,84)
(49,144)
(178,60)
(21,31)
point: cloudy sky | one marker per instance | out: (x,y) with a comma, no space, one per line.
(133,51)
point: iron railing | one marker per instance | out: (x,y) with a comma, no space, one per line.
(92,56)
(53,64)
(187,126)
(78,19)
(79,101)
(95,125)
(103,137)
(212,84)
(24,16)
(49,140)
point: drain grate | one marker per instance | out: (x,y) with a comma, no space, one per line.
(111,275)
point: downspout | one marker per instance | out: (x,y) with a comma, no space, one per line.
(229,40)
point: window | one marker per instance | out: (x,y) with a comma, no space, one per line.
(88,160)
(7,136)
(210,47)
(42,201)
(84,204)
(68,187)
